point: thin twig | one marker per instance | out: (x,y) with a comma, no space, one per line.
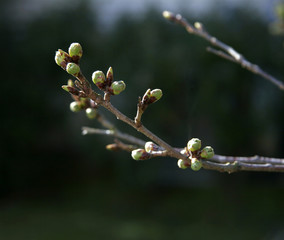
(114,133)
(238,58)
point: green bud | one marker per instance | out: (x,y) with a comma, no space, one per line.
(150,146)
(207,152)
(91,113)
(99,79)
(117,87)
(73,69)
(70,83)
(60,58)
(75,106)
(75,50)
(195,164)
(140,154)
(155,95)
(168,15)
(182,164)
(194,144)
(109,76)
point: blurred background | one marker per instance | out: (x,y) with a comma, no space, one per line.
(57,184)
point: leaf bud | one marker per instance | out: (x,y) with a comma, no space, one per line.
(195,164)
(117,87)
(91,113)
(194,144)
(75,50)
(182,164)
(109,76)
(207,152)
(140,154)
(73,69)
(75,106)
(150,146)
(155,95)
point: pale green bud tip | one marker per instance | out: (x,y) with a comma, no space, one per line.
(65,87)
(195,164)
(75,49)
(207,152)
(75,106)
(150,146)
(194,144)
(182,164)
(110,71)
(140,154)
(156,94)
(118,87)
(91,113)
(98,77)
(59,57)
(167,15)
(70,83)
(73,69)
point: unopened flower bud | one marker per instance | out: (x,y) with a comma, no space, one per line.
(195,164)
(155,95)
(98,78)
(75,106)
(75,50)
(182,164)
(91,113)
(73,69)
(140,154)
(61,58)
(150,146)
(117,87)
(194,144)
(207,152)
(109,76)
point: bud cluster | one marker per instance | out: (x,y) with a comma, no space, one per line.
(195,155)
(151,96)
(70,61)
(106,83)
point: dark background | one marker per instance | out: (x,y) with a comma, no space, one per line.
(57,184)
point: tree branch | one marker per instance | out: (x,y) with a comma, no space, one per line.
(231,55)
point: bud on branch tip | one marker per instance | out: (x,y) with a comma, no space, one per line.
(140,154)
(194,144)
(75,50)
(73,69)
(207,152)
(117,87)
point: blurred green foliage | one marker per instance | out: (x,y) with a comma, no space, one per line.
(43,153)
